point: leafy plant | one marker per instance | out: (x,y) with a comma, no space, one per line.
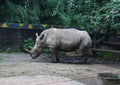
(107,55)
(100,14)
(27,43)
(107,17)
(8,50)
(46,50)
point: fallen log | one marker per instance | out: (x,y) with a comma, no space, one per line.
(106,50)
(111,43)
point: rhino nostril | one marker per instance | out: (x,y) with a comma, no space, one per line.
(33,57)
(30,54)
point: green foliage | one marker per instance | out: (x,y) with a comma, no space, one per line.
(100,39)
(27,43)
(11,50)
(108,16)
(106,55)
(19,11)
(46,50)
(8,50)
(100,14)
(1,58)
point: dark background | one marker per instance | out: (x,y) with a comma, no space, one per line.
(14,38)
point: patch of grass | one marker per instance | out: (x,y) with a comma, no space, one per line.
(8,50)
(11,50)
(1,58)
(18,50)
(107,55)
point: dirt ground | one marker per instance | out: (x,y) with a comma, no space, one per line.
(20,64)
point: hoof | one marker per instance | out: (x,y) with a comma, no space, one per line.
(55,61)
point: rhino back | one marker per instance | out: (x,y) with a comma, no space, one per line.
(64,39)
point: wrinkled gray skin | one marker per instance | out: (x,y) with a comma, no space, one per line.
(63,40)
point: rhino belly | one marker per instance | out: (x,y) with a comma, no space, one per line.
(68,47)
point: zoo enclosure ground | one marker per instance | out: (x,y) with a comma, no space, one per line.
(20,64)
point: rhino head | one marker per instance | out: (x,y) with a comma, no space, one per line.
(38,47)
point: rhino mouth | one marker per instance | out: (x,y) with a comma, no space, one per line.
(35,56)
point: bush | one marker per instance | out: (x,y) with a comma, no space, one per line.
(27,43)
(46,50)
(8,50)
(106,55)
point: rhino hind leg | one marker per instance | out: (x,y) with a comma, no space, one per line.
(84,50)
(55,54)
(87,54)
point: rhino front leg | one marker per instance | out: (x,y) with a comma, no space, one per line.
(54,52)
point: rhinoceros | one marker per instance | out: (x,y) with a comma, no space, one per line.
(66,40)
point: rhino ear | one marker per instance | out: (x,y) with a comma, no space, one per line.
(42,36)
(36,34)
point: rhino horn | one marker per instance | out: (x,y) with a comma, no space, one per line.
(27,50)
(30,47)
(36,34)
